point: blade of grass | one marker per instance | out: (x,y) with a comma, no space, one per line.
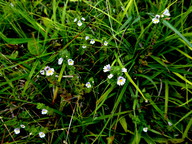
(166,23)
(166,99)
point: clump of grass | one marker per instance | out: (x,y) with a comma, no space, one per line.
(95,72)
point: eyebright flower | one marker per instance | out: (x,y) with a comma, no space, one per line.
(92,41)
(84,46)
(41,134)
(155,20)
(145,129)
(166,12)
(88,84)
(46,68)
(107,68)
(70,62)
(79,23)
(42,72)
(170,124)
(124,70)
(50,72)
(22,126)
(157,16)
(83,18)
(75,20)
(105,43)
(17,130)
(87,37)
(110,76)
(44,111)
(60,61)
(121,81)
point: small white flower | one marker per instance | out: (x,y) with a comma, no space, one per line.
(70,62)
(79,23)
(166,12)
(60,61)
(87,37)
(11,4)
(41,134)
(107,68)
(50,72)
(42,72)
(17,130)
(92,41)
(88,84)
(44,111)
(83,18)
(46,68)
(146,101)
(75,20)
(84,46)
(105,43)
(121,81)
(22,126)
(155,20)
(157,16)
(145,129)
(110,76)
(124,70)
(170,124)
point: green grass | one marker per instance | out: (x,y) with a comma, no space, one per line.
(156,94)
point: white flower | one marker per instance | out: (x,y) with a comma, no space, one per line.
(75,20)
(121,81)
(87,37)
(155,20)
(107,68)
(79,23)
(70,62)
(22,126)
(60,61)
(166,12)
(157,16)
(11,4)
(83,18)
(88,84)
(145,129)
(41,134)
(46,68)
(170,124)
(50,72)
(92,41)
(17,130)
(44,111)
(124,70)
(110,76)
(42,72)
(84,46)
(105,43)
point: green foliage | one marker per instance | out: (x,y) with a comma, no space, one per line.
(75,100)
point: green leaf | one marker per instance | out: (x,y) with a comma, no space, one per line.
(34,47)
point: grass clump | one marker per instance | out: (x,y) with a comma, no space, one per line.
(85,72)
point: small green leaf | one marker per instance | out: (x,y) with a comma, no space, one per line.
(123,123)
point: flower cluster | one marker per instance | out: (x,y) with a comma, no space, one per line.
(48,71)
(156,19)
(120,80)
(79,23)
